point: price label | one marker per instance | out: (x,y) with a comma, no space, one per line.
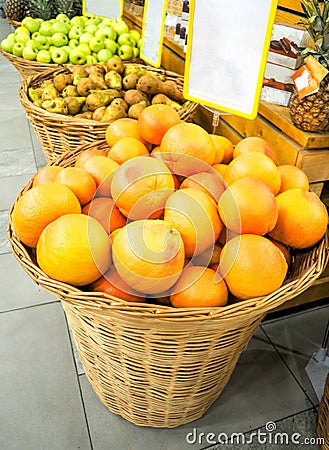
(226,53)
(103,8)
(153,30)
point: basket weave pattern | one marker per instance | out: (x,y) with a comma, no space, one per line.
(155,365)
(58,133)
(322,426)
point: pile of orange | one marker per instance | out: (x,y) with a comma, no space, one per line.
(170,211)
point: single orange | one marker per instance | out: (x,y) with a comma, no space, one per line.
(111,283)
(46,175)
(127,148)
(140,187)
(74,249)
(199,287)
(209,183)
(252,266)
(302,220)
(79,181)
(155,120)
(101,168)
(148,255)
(209,257)
(284,248)
(254,164)
(194,214)
(220,169)
(120,128)
(224,149)
(248,206)
(106,212)
(83,156)
(292,177)
(254,144)
(39,206)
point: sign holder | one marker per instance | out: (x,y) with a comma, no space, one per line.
(227,52)
(103,8)
(153,31)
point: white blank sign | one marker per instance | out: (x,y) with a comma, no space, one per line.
(153,29)
(104,8)
(226,53)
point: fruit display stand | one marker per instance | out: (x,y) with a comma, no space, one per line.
(152,364)
(58,133)
(322,427)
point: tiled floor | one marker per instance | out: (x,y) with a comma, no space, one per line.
(46,401)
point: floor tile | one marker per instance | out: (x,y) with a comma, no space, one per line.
(4,243)
(260,385)
(296,338)
(290,433)
(14,295)
(10,187)
(17,161)
(39,153)
(14,132)
(40,400)
(9,100)
(78,363)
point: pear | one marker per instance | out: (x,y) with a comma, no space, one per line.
(134,96)
(70,91)
(38,103)
(96,69)
(113,112)
(135,110)
(99,113)
(74,104)
(79,72)
(49,92)
(34,94)
(100,98)
(130,81)
(62,80)
(133,68)
(113,80)
(46,83)
(120,102)
(56,106)
(85,115)
(98,81)
(164,100)
(84,86)
(115,63)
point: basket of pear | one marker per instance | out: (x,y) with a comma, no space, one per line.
(73,105)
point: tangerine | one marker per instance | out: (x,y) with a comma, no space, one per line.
(127,148)
(155,120)
(292,177)
(79,181)
(120,128)
(101,168)
(106,212)
(254,144)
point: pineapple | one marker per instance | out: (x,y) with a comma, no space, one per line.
(39,8)
(69,7)
(15,10)
(311,113)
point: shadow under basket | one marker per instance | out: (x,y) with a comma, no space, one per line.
(155,365)
(322,426)
(58,133)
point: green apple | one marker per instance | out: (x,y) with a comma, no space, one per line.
(96,44)
(108,21)
(104,55)
(35,34)
(75,32)
(136,52)
(8,43)
(139,43)
(60,27)
(31,24)
(90,59)
(44,56)
(111,45)
(135,35)
(67,48)
(106,33)
(59,55)
(29,53)
(22,37)
(61,17)
(59,39)
(78,21)
(77,56)
(46,28)
(125,39)
(85,37)
(91,28)
(29,43)
(73,43)
(41,42)
(120,26)
(21,29)
(18,48)
(85,48)
(126,52)
(93,21)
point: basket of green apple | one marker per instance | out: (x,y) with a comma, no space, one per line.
(37,45)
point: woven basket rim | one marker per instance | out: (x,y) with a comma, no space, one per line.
(313,261)
(34,80)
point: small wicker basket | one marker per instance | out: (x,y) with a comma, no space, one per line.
(322,426)
(14,23)
(58,133)
(155,365)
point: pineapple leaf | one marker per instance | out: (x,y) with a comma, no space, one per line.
(307,9)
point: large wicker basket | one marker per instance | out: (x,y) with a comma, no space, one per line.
(152,364)
(322,426)
(58,133)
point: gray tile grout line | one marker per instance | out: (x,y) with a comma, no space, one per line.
(22,308)
(297,313)
(78,380)
(290,370)
(313,408)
